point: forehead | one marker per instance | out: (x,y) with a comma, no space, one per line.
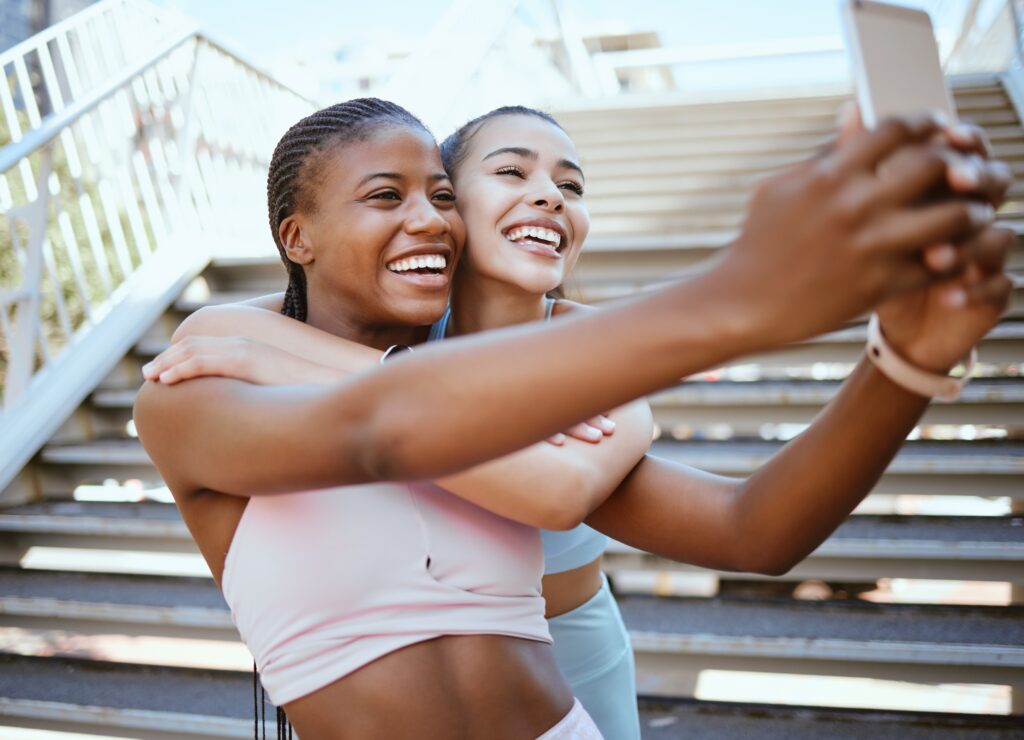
(404,150)
(529,132)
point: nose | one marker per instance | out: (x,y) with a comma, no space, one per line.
(549,198)
(424,218)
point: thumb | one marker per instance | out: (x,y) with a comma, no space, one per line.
(848,122)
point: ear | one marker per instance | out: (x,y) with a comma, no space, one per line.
(296,244)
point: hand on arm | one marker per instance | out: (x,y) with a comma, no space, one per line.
(557,487)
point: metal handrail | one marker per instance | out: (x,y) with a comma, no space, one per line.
(55,123)
(116,151)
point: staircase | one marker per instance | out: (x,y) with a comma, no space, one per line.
(110,624)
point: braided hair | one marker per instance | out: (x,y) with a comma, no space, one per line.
(297,166)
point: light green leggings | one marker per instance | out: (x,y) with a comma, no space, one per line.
(593,651)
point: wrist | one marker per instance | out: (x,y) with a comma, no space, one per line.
(732,315)
(915,378)
(919,354)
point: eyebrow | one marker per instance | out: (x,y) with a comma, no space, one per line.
(436,177)
(520,151)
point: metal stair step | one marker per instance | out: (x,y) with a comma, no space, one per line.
(864,548)
(164,703)
(100,603)
(938,467)
(979,467)
(670,719)
(867,547)
(844,638)
(952,643)
(748,405)
(1003,345)
(176,703)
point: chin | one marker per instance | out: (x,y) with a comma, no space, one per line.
(539,284)
(418,312)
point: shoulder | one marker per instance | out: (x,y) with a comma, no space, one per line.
(219,318)
(565,307)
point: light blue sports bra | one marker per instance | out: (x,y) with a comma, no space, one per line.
(562,550)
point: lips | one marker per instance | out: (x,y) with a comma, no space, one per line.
(426,265)
(541,236)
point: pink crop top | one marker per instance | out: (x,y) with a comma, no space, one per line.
(321,583)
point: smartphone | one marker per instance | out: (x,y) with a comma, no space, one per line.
(895,61)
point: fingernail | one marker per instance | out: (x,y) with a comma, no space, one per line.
(967,175)
(962,132)
(558,439)
(941,257)
(982,214)
(593,433)
(607,424)
(955,298)
(147,368)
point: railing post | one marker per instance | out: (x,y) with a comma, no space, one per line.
(187,135)
(28,322)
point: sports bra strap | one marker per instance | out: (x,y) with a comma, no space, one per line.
(549,307)
(440,328)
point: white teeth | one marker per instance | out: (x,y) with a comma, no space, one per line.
(535,232)
(431,261)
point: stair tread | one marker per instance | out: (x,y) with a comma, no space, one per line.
(771,619)
(880,535)
(1003,456)
(187,691)
(101,588)
(669,719)
(980,390)
(854,621)
(959,457)
(948,536)
(228,695)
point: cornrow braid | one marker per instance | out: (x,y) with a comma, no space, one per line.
(455,147)
(297,164)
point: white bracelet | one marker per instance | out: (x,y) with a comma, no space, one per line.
(914,379)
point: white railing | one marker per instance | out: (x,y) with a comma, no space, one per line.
(126,140)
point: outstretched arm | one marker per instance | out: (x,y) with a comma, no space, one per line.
(243,439)
(780,514)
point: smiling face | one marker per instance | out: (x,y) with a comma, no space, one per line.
(380,243)
(520,193)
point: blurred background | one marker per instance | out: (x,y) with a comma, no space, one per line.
(134,142)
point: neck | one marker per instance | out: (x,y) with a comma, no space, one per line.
(481,303)
(341,322)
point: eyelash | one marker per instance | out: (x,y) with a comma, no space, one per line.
(518,172)
(445,195)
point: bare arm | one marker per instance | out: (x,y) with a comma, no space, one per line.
(235,438)
(780,514)
(542,485)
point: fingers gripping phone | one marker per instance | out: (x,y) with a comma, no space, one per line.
(895,61)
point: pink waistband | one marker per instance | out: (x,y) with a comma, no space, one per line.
(576,725)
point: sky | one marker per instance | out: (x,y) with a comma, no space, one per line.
(299,40)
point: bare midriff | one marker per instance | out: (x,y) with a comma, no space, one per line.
(566,591)
(471,686)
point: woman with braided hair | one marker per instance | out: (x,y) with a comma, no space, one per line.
(382,609)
